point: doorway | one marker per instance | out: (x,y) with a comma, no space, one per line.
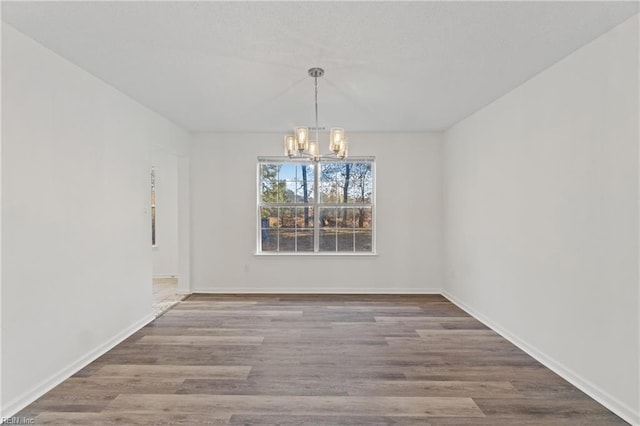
(165,230)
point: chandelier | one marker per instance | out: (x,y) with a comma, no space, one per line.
(300,145)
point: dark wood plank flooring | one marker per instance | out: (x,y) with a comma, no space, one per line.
(317,360)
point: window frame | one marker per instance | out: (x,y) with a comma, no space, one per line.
(316,205)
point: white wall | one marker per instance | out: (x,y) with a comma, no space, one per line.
(223,214)
(76,271)
(1,326)
(541,208)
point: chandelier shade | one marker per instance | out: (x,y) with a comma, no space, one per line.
(300,143)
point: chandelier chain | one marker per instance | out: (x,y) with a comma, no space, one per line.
(315,78)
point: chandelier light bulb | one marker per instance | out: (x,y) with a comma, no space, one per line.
(289,145)
(313,149)
(343,148)
(302,138)
(335,138)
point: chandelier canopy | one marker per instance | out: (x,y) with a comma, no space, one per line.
(300,145)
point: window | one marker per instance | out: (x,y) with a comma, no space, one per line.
(316,207)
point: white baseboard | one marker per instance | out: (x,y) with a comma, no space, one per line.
(20,402)
(298,290)
(613,404)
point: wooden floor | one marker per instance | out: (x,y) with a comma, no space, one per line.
(317,360)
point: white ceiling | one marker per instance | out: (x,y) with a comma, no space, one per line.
(242,66)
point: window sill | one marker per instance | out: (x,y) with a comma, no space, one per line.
(323,254)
